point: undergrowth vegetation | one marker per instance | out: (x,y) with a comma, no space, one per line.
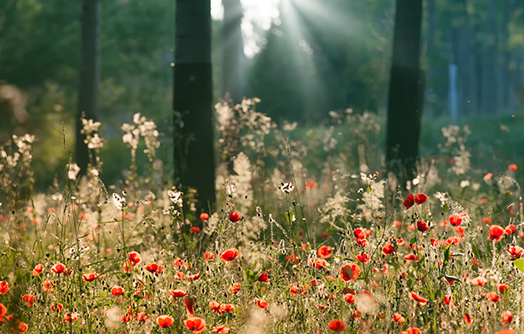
(286,251)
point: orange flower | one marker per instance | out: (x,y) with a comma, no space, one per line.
(229,255)
(221,329)
(234,216)
(57,308)
(117,291)
(349,298)
(420,198)
(193,277)
(165,321)
(337,325)
(189,303)
(135,258)
(409,201)
(38,269)
(196,324)
(412,257)
(154,268)
(209,256)
(59,268)
(318,263)
(455,220)
(177,293)
(506,317)
(411,330)
(359,233)
(515,252)
(261,303)
(204,216)
(399,318)
(70,317)
(89,277)
(47,286)
(467,318)
(3,310)
(506,331)
(479,281)
(492,296)
(448,299)
(214,306)
(234,288)
(503,288)
(349,272)
(388,249)
(512,167)
(363,258)
(29,300)
(325,252)
(496,233)
(420,299)
(487,220)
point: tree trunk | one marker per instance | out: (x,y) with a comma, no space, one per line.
(193,98)
(89,76)
(495,72)
(233,55)
(405,92)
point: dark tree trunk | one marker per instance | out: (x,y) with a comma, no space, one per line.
(405,92)
(193,98)
(89,76)
(233,55)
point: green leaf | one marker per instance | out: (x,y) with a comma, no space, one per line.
(519,264)
(368,190)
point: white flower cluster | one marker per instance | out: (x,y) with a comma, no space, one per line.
(146,129)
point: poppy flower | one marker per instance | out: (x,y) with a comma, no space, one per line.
(177,293)
(135,258)
(214,306)
(38,269)
(47,286)
(234,288)
(294,290)
(409,201)
(503,288)
(57,308)
(337,325)
(70,317)
(350,298)
(227,308)
(412,257)
(496,233)
(262,278)
(455,220)
(397,223)
(420,198)
(506,331)
(423,301)
(204,216)
(58,268)
(479,281)
(3,310)
(515,252)
(126,318)
(325,252)
(189,303)
(512,167)
(261,303)
(422,226)
(29,300)
(399,318)
(492,296)
(229,255)
(117,291)
(349,272)
(510,229)
(234,216)
(89,277)
(178,263)
(467,318)
(388,249)
(363,258)
(448,299)
(506,317)
(195,229)
(209,256)
(460,231)
(325,235)
(165,321)
(318,263)
(152,267)
(359,233)
(221,329)
(195,324)
(193,277)
(4,287)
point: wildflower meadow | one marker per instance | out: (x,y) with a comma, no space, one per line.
(309,236)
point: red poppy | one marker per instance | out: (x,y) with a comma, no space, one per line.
(229,255)
(126,318)
(397,223)
(492,296)
(399,318)
(177,293)
(153,268)
(349,298)
(214,306)
(411,330)
(510,229)
(349,272)
(90,277)
(234,288)
(412,257)
(4,287)
(388,249)
(496,232)
(234,216)
(448,299)
(227,308)
(178,263)
(294,290)
(325,252)
(59,268)
(420,299)
(196,324)
(467,318)
(325,235)
(318,263)
(193,277)
(195,229)
(261,303)
(479,281)
(363,258)
(506,331)
(38,269)
(135,258)
(422,226)
(460,231)
(409,201)
(221,329)
(204,216)
(420,198)
(3,311)
(503,288)
(117,291)
(487,220)
(189,303)
(209,256)
(359,233)
(515,252)
(506,317)
(57,308)
(262,278)
(337,325)
(29,300)
(455,220)
(165,321)
(512,167)
(47,286)
(70,317)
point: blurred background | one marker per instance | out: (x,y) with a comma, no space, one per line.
(302,58)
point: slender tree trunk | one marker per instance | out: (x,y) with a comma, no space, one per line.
(495,71)
(89,76)
(233,55)
(470,75)
(192,99)
(508,73)
(405,92)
